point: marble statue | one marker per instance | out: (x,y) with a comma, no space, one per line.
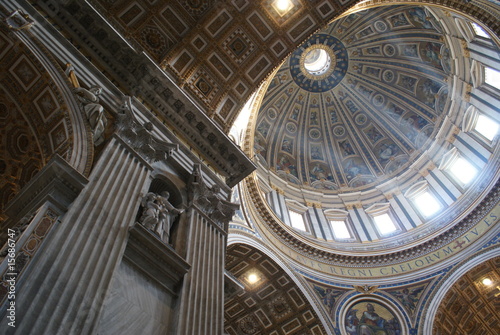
(93,110)
(150,212)
(167,215)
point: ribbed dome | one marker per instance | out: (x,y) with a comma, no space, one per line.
(377,93)
(358,131)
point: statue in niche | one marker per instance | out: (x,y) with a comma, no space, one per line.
(158,214)
(167,215)
(150,212)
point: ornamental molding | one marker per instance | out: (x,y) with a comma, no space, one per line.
(137,75)
(270,222)
(140,137)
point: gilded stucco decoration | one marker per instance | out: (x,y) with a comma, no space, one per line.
(34,117)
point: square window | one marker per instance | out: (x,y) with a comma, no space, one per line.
(463,170)
(384,224)
(297,220)
(340,229)
(427,204)
(492,77)
(486,126)
(480,31)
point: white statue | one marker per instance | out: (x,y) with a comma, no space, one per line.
(150,212)
(166,217)
(93,110)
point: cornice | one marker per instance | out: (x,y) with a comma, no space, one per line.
(270,222)
(136,74)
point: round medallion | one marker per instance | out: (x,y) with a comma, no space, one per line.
(380,26)
(389,50)
(360,119)
(320,64)
(339,131)
(271,113)
(388,75)
(378,100)
(291,127)
(315,133)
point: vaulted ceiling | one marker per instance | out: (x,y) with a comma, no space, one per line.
(220,51)
(271,302)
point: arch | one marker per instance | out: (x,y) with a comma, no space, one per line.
(448,281)
(39,114)
(81,152)
(234,239)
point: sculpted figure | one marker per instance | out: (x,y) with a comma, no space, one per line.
(93,110)
(167,215)
(150,212)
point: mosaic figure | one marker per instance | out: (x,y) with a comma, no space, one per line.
(431,53)
(327,296)
(375,319)
(409,298)
(398,20)
(419,16)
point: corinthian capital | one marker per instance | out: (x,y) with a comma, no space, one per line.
(209,200)
(140,137)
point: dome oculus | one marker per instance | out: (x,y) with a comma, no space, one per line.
(317,61)
(320,64)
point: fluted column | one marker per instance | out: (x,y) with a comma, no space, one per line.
(202,300)
(68,281)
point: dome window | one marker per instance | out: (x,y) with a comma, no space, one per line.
(422,198)
(383,221)
(492,77)
(297,220)
(479,123)
(317,61)
(479,31)
(459,167)
(340,230)
(427,204)
(296,215)
(339,224)
(463,170)
(384,224)
(486,127)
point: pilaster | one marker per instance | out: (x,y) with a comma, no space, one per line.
(70,276)
(202,302)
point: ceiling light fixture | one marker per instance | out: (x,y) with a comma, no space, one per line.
(487,281)
(252,278)
(282,6)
